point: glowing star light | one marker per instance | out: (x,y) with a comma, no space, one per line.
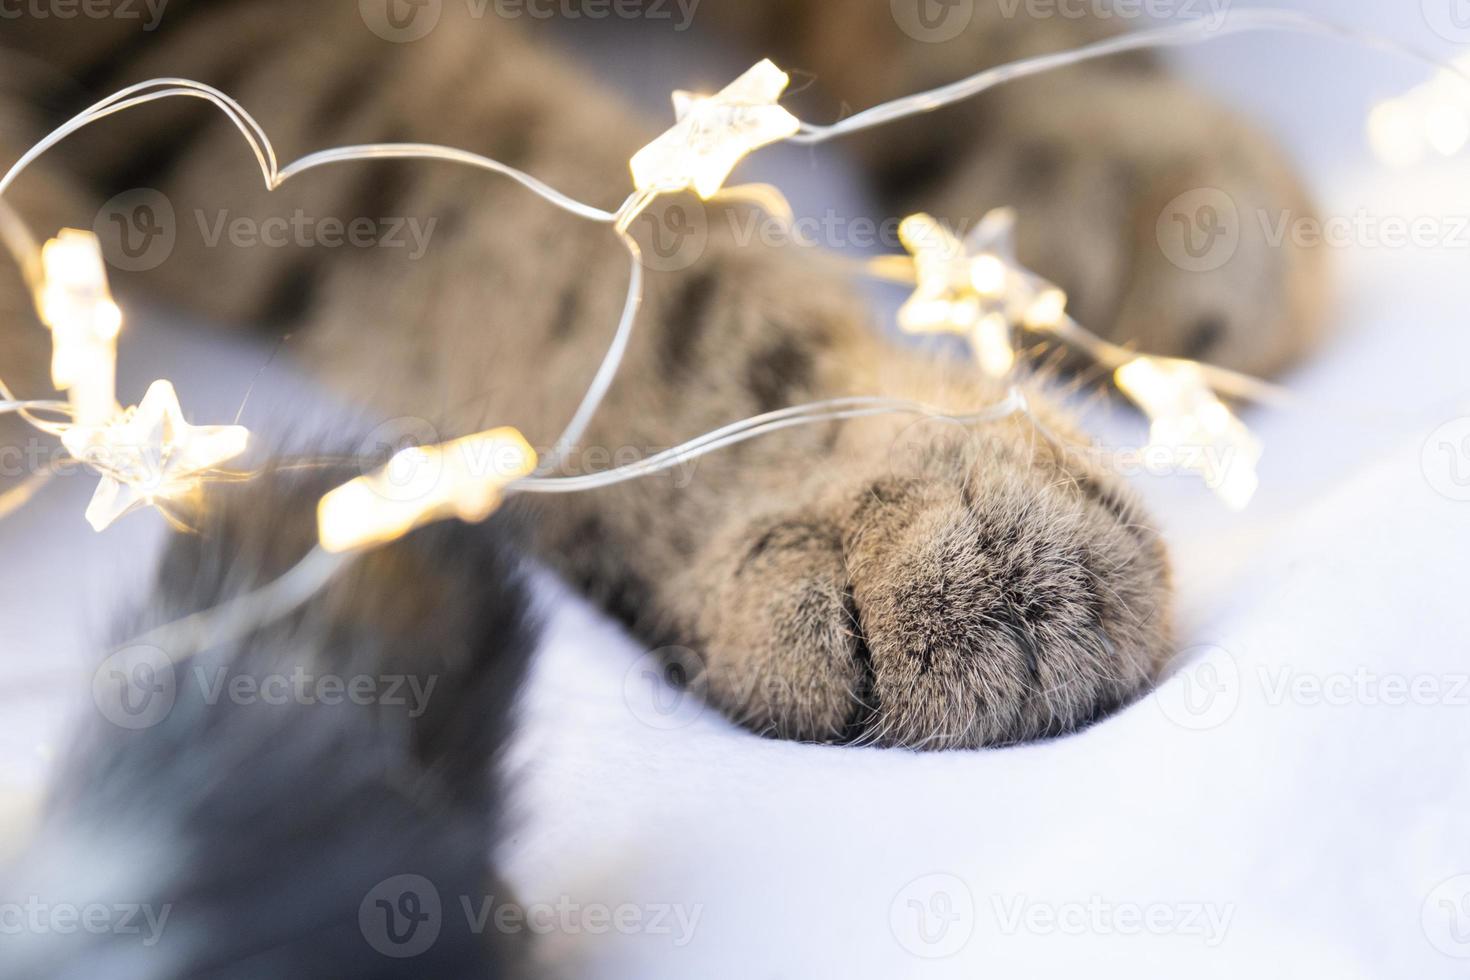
(714,133)
(75,302)
(149,453)
(976,288)
(465,478)
(1434,116)
(1188,419)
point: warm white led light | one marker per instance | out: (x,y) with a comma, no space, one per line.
(75,302)
(975,288)
(1190,420)
(714,133)
(149,453)
(465,479)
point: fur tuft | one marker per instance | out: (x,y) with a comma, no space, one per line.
(262,825)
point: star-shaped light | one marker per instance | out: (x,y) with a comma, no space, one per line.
(465,478)
(975,287)
(714,133)
(149,453)
(1191,422)
(75,302)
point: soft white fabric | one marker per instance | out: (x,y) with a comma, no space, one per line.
(1292,804)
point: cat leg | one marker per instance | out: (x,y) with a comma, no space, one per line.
(1149,202)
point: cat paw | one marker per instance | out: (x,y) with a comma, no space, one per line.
(977,588)
(1157,210)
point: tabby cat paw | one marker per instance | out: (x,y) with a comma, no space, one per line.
(1158,211)
(974,589)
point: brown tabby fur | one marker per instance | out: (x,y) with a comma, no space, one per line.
(878,580)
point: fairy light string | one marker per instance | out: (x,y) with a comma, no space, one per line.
(465,478)
(74,301)
(974,287)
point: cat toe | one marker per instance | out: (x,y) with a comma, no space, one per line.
(1012,606)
